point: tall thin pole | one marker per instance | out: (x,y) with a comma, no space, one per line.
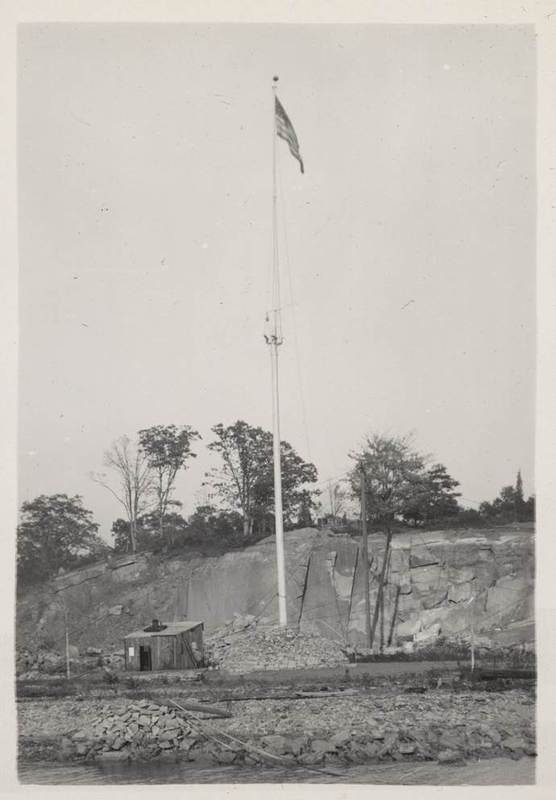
(275,340)
(365,558)
(67,640)
(472,634)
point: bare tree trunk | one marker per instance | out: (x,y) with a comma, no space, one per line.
(381,584)
(133,482)
(394,615)
(133,535)
(386,580)
(160,506)
(381,639)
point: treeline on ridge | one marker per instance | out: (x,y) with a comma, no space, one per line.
(404,489)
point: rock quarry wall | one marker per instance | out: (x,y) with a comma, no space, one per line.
(439,583)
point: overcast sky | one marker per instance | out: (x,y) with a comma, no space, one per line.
(145,242)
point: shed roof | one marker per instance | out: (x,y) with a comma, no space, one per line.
(171,629)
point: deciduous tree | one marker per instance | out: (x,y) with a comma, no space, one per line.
(54,531)
(245,480)
(394,473)
(208,522)
(435,499)
(510,505)
(336,499)
(394,477)
(130,482)
(167,449)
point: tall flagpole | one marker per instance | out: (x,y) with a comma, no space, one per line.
(274,340)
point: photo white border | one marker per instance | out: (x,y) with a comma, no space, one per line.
(465,12)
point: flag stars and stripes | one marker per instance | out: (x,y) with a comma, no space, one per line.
(285,130)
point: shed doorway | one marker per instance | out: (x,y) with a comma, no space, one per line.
(145,659)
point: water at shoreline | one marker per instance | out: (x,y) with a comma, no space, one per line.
(496,771)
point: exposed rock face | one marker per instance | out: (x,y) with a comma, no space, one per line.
(439,584)
(458,580)
(245,582)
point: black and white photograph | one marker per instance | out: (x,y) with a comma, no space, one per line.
(276,403)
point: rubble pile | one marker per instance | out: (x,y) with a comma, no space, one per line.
(42,663)
(389,725)
(359,729)
(246,644)
(140,729)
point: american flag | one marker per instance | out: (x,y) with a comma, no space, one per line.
(284,129)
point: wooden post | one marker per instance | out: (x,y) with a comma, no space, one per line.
(382,603)
(68,675)
(472,634)
(381,584)
(365,557)
(394,615)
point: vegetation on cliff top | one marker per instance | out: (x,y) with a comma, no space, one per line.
(404,488)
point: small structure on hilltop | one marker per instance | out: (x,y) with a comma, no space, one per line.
(165,645)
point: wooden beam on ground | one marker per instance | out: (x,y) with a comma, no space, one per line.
(205,709)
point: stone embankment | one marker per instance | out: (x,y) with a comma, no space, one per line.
(361,728)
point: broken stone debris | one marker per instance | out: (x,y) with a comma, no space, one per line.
(43,663)
(246,645)
(367,728)
(137,730)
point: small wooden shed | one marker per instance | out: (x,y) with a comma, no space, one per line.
(165,645)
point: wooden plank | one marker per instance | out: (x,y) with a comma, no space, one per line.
(205,709)
(298,695)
